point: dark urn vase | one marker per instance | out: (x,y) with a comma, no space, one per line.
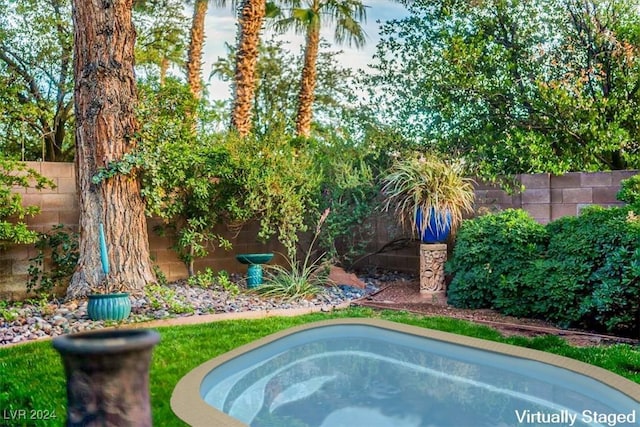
(116,306)
(108,377)
(438,228)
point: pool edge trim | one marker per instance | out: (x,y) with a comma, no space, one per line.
(189,406)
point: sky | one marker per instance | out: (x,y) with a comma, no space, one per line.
(221,28)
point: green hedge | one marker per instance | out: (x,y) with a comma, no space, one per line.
(488,250)
(577,271)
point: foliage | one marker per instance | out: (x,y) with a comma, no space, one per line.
(299,280)
(36,73)
(160,276)
(61,246)
(515,86)
(8,312)
(427,183)
(208,278)
(188,181)
(164,298)
(196,181)
(614,301)
(278,182)
(15,174)
(350,187)
(161,35)
(577,271)
(488,249)
(630,190)
(36,79)
(183,348)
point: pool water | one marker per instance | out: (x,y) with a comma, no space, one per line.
(360,375)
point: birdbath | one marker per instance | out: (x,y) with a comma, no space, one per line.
(254,271)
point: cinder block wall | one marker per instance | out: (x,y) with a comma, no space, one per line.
(546,197)
(60,206)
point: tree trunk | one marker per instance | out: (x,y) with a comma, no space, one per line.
(196,42)
(249,26)
(105,99)
(306,95)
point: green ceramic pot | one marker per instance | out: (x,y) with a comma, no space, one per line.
(114,307)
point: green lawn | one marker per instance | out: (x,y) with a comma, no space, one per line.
(32,378)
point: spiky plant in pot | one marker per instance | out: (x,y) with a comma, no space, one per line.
(428,194)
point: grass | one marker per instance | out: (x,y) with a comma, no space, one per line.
(32,376)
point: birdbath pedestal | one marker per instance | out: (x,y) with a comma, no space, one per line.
(254,271)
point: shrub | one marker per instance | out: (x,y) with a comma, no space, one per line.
(188,178)
(489,250)
(577,271)
(630,190)
(210,279)
(614,303)
(349,191)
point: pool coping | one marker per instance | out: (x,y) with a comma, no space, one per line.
(191,408)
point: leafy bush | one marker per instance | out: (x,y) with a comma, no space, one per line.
(489,249)
(350,191)
(61,245)
(630,190)
(615,300)
(188,180)
(279,182)
(581,271)
(16,174)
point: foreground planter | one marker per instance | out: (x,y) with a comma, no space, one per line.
(115,307)
(108,377)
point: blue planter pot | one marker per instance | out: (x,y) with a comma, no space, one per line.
(438,228)
(115,307)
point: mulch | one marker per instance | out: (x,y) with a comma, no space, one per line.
(404,295)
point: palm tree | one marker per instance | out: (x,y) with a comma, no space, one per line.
(196,43)
(307,19)
(252,13)
(250,20)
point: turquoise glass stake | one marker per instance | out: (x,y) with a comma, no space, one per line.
(104,256)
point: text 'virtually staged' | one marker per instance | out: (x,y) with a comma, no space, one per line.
(348,373)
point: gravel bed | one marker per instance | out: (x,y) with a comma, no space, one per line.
(38,319)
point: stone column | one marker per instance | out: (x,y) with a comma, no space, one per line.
(432,259)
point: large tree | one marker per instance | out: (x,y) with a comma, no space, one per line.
(105,101)
(307,17)
(36,79)
(516,86)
